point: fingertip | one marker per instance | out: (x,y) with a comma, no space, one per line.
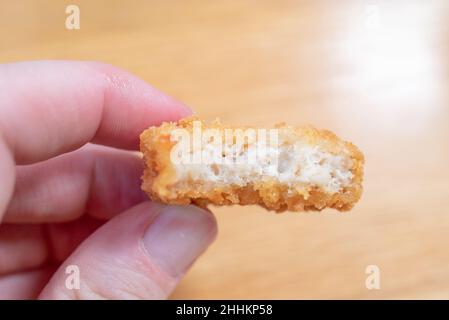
(96,102)
(178,236)
(142,253)
(145,106)
(121,79)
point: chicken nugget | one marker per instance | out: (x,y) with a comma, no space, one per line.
(280,168)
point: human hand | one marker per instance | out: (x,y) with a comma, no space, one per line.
(68,200)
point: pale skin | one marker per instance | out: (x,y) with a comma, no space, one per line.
(70,187)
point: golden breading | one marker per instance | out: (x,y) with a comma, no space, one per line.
(303,169)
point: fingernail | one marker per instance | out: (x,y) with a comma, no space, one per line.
(178,236)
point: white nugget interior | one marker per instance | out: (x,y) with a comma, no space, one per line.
(290,164)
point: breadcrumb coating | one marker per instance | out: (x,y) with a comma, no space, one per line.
(314,169)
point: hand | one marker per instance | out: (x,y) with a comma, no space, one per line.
(68,203)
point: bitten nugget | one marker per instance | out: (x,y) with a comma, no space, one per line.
(282,168)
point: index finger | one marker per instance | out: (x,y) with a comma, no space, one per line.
(52,107)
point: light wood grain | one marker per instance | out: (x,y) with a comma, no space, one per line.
(375,72)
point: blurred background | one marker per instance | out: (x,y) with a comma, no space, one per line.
(375,72)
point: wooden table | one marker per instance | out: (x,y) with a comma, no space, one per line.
(375,72)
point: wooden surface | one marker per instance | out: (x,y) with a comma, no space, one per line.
(375,72)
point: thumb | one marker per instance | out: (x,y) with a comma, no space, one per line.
(140,254)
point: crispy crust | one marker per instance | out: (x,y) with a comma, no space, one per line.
(159,178)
